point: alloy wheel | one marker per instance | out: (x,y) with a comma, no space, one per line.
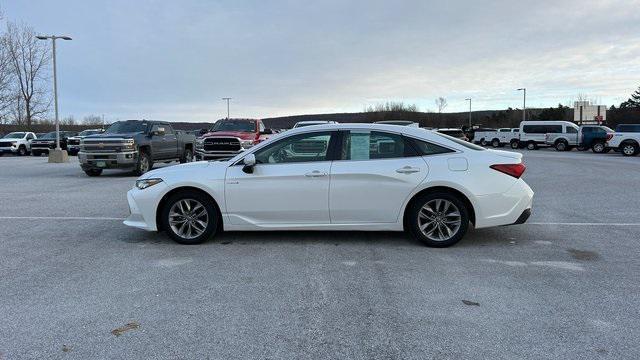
(599,147)
(629,149)
(439,220)
(188,218)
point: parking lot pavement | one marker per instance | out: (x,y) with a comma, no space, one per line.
(563,286)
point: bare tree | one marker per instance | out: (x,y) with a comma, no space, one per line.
(69,120)
(392,106)
(6,79)
(441,104)
(29,58)
(94,120)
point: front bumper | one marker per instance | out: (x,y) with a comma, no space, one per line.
(143,205)
(8,150)
(113,160)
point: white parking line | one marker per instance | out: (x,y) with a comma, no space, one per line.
(581,224)
(59,218)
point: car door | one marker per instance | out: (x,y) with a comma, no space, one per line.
(159,148)
(170,142)
(375,174)
(289,183)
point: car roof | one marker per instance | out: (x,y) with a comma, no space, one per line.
(449,129)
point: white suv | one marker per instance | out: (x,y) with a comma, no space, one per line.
(17,143)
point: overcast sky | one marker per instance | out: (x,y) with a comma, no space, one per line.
(174,60)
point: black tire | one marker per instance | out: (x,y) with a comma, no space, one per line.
(187,156)
(22,150)
(561,145)
(495,143)
(515,144)
(93,172)
(598,148)
(144,164)
(531,145)
(483,142)
(629,148)
(35,153)
(414,214)
(208,204)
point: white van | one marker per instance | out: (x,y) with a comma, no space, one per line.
(533,133)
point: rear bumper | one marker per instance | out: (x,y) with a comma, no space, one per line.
(509,208)
(523,217)
(119,160)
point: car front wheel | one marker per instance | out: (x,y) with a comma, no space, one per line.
(189,217)
(629,149)
(438,219)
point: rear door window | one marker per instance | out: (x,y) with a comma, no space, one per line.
(370,145)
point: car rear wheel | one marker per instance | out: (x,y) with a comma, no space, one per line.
(495,143)
(189,217)
(515,144)
(598,148)
(532,145)
(438,219)
(561,146)
(629,149)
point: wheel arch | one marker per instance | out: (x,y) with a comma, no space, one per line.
(440,188)
(163,201)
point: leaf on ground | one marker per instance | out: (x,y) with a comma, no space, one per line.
(471,303)
(121,330)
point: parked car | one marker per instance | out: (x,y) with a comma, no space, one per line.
(533,134)
(17,143)
(309,123)
(496,138)
(398,122)
(73,143)
(456,133)
(626,139)
(228,137)
(588,136)
(428,183)
(47,142)
(134,144)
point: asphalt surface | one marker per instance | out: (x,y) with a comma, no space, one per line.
(563,286)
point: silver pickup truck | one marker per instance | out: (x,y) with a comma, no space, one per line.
(585,137)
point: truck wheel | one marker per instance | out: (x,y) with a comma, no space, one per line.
(515,144)
(495,143)
(531,145)
(598,148)
(93,172)
(483,142)
(22,150)
(187,157)
(629,149)
(144,164)
(189,217)
(561,145)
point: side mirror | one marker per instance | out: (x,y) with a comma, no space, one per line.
(157,133)
(249,163)
(266,132)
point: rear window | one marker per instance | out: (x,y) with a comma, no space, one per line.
(542,129)
(461,142)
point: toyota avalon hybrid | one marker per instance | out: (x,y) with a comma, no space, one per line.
(339,177)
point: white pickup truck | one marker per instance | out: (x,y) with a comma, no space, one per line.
(626,139)
(496,138)
(17,143)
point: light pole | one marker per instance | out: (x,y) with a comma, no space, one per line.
(469,100)
(55,86)
(227,98)
(524,103)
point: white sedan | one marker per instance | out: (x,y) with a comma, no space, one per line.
(339,177)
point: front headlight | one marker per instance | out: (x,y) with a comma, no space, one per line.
(145,183)
(128,145)
(14,143)
(246,143)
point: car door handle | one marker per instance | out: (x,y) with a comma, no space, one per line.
(408,170)
(315,173)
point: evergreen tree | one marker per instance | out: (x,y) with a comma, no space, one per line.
(634,100)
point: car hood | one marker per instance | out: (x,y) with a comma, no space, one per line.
(111,136)
(210,170)
(239,134)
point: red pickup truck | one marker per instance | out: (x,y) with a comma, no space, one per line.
(228,137)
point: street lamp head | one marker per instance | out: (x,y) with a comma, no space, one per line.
(521,89)
(65,38)
(469,99)
(40,37)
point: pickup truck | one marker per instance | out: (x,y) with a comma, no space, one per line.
(587,136)
(228,137)
(47,142)
(134,145)
(497,138)
(73,143)
(16,143)
(626,139)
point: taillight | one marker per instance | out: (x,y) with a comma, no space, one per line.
(515,170)
(609,136)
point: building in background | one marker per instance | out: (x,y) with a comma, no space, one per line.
(586,113)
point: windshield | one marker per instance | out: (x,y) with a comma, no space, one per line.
(234,125)
(460,142)
(51,135)
(14,135)
(124,127)
(89,132)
